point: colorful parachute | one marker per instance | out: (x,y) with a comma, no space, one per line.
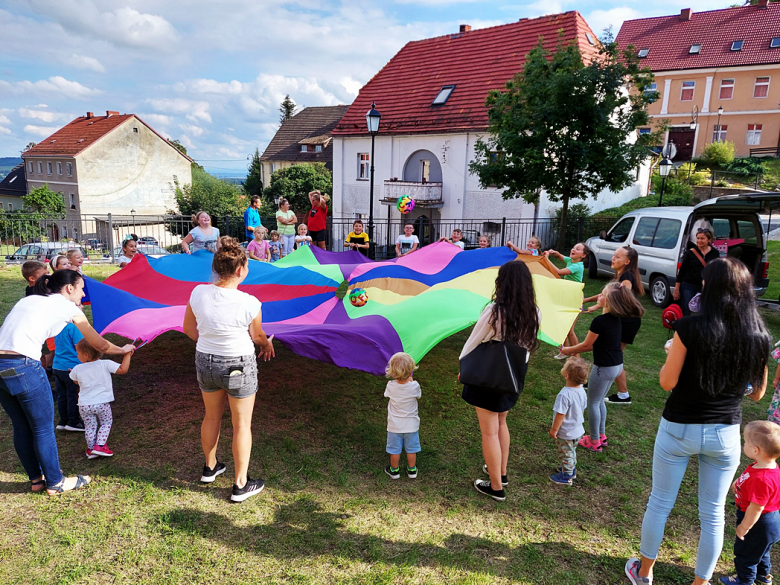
(414,302)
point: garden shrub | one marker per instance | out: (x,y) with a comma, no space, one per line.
(719,153)
(687,172)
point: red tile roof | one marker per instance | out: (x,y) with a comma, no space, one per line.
(669,38)
(474,61)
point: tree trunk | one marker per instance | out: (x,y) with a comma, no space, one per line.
(562,227)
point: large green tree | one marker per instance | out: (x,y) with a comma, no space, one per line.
(287,109)
(44,201)
(295,182)
(253,185)
(566,127)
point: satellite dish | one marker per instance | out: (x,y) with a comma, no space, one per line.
(670,150)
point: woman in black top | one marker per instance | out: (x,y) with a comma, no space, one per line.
(689,274)
(712,359)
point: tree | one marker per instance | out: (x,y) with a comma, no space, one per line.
(28,147)
(41,206)
(44,201)
(566,127)
(253,185)
(295,182)
(183,149)
(287,109)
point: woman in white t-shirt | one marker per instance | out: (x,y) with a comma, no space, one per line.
(203,236)
(227,323)
(25,393)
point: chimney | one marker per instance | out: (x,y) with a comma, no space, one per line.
(763,3)
(465,28)
(686,14)
(110,113)
(90,115)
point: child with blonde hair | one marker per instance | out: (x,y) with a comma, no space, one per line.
(567,429)
(302,239)
(533,247)
(403,422)
(484,242)
(258,248)
(60,262)
(76,259)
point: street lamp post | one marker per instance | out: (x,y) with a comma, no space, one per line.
(372,121)
(132,212)
(663,167)
(720,113)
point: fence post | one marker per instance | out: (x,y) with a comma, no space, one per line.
(227,225)
(111,237)
(755,188)
(712,184)
(503,231)
(579,229)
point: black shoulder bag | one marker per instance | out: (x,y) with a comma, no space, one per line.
(497,366)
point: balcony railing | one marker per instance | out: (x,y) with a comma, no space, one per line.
(424,194)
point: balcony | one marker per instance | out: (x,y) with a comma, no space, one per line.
(424,194)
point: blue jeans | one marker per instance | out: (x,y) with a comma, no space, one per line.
(288,244)
(27,399)
(687,292)
(599,382)
(751,556)
(67,394)
(717,447)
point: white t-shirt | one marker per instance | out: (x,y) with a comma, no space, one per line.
(402,409)
(223,317)
(459,244)
(33,320)
(94,380)
(406,243)
(124,258)
(201,241)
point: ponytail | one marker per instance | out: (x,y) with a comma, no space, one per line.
(49,284)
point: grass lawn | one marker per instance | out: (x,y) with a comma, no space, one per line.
(329,514)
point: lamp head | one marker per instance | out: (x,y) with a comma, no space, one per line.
(720,111)
(372,119)
(665,166)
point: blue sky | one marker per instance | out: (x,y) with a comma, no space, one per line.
(212,73)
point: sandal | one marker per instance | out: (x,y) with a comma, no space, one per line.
(40,482)
(586,443)
(57,489)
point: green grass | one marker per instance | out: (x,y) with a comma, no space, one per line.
(329,513)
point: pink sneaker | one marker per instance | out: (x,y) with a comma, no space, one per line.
(586,443)
(90,454)
(104,451)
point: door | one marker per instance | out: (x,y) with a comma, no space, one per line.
(683,139)
(616,237)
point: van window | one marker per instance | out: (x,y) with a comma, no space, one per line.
(722,228)
(620,232)
(645,230)
(747,231)
(667,233)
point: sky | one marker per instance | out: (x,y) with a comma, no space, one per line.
(213,73)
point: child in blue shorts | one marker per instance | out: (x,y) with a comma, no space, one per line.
(403,423)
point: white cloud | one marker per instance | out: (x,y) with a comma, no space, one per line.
(4,119)
(4,130)
(43,116)
(42,131)
(156,121)
(193,110)
(614,17)
(82,62)
(191,129)
(58,85)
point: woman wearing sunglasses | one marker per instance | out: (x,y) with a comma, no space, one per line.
(689,275)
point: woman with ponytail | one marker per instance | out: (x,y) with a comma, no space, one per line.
(25,393)
(226,323)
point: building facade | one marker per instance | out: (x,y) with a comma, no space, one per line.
(12,188)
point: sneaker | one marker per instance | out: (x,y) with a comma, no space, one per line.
(90,454)
(393,473)
(411,472)
(78,427)
(764,579)
(562,478)
(252,488)
(483,487)
(615,399)
(504,480)
(209,475)
(733,580)
(102,450)
(61,426)
(573,475)
(586,443)
(561,356)
(632,572)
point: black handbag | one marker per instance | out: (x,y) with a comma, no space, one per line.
(499,366)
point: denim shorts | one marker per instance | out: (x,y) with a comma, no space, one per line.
(236,375)
(409,442)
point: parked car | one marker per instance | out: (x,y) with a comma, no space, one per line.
(94,244)
(151,251)
(661,235)
(148,241)
(43,251)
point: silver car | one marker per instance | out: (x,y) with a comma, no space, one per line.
(661,235)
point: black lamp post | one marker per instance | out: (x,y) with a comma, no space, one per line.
(372,121)
(663,167)
(720,113)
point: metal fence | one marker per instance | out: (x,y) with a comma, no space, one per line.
(101,235)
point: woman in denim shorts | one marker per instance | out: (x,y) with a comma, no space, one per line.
(227,323)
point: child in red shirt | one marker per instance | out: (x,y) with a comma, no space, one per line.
(757,495)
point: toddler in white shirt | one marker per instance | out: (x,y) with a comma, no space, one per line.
(403,422)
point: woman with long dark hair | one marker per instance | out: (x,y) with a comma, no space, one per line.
(25,393)
(713,357)
(512,316)
(689,275)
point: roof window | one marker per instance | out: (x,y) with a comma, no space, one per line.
(81,140)
(694,50)
(643,53)
(444,95)
(774,43)
(590,38)
(737,45)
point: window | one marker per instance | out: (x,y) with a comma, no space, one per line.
(651,89)
(694,50)
(747,231)
(443,96)
(686,93)
(59,168)
(318,148)
(1,204)
(753,135)
(40,168)
(64,232)
(591,40)
(304,148)
(69,167)
(726,89)
(620,232)
(48,168)
(774,43)
(10,207)
(30,166)
(737,45)
(719,133)
(425,171)
(645,230)
(273,168)
(363,167)
(135,130)
(643,53)
(667,233)
(72,201)
(645,130)
(761,88)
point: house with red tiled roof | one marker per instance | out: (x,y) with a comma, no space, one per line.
(718,75)
(431,96)
(108,164)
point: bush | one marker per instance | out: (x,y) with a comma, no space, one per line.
(687,172)
(747,167)
(575,213)
(719,153)
(676,190)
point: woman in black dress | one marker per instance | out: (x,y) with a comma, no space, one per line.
(512,316)
(689,275)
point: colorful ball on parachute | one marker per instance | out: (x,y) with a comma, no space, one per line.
(405,204)
(358,297)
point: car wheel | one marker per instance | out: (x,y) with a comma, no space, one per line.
(660,293)
(593,267)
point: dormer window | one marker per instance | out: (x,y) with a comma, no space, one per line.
(444,95)
(304,148)
(318,148)
(643,53)
(694,50)
(774,43)
(737,45)
(590,38)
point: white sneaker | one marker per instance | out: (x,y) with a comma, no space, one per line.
(561,356)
